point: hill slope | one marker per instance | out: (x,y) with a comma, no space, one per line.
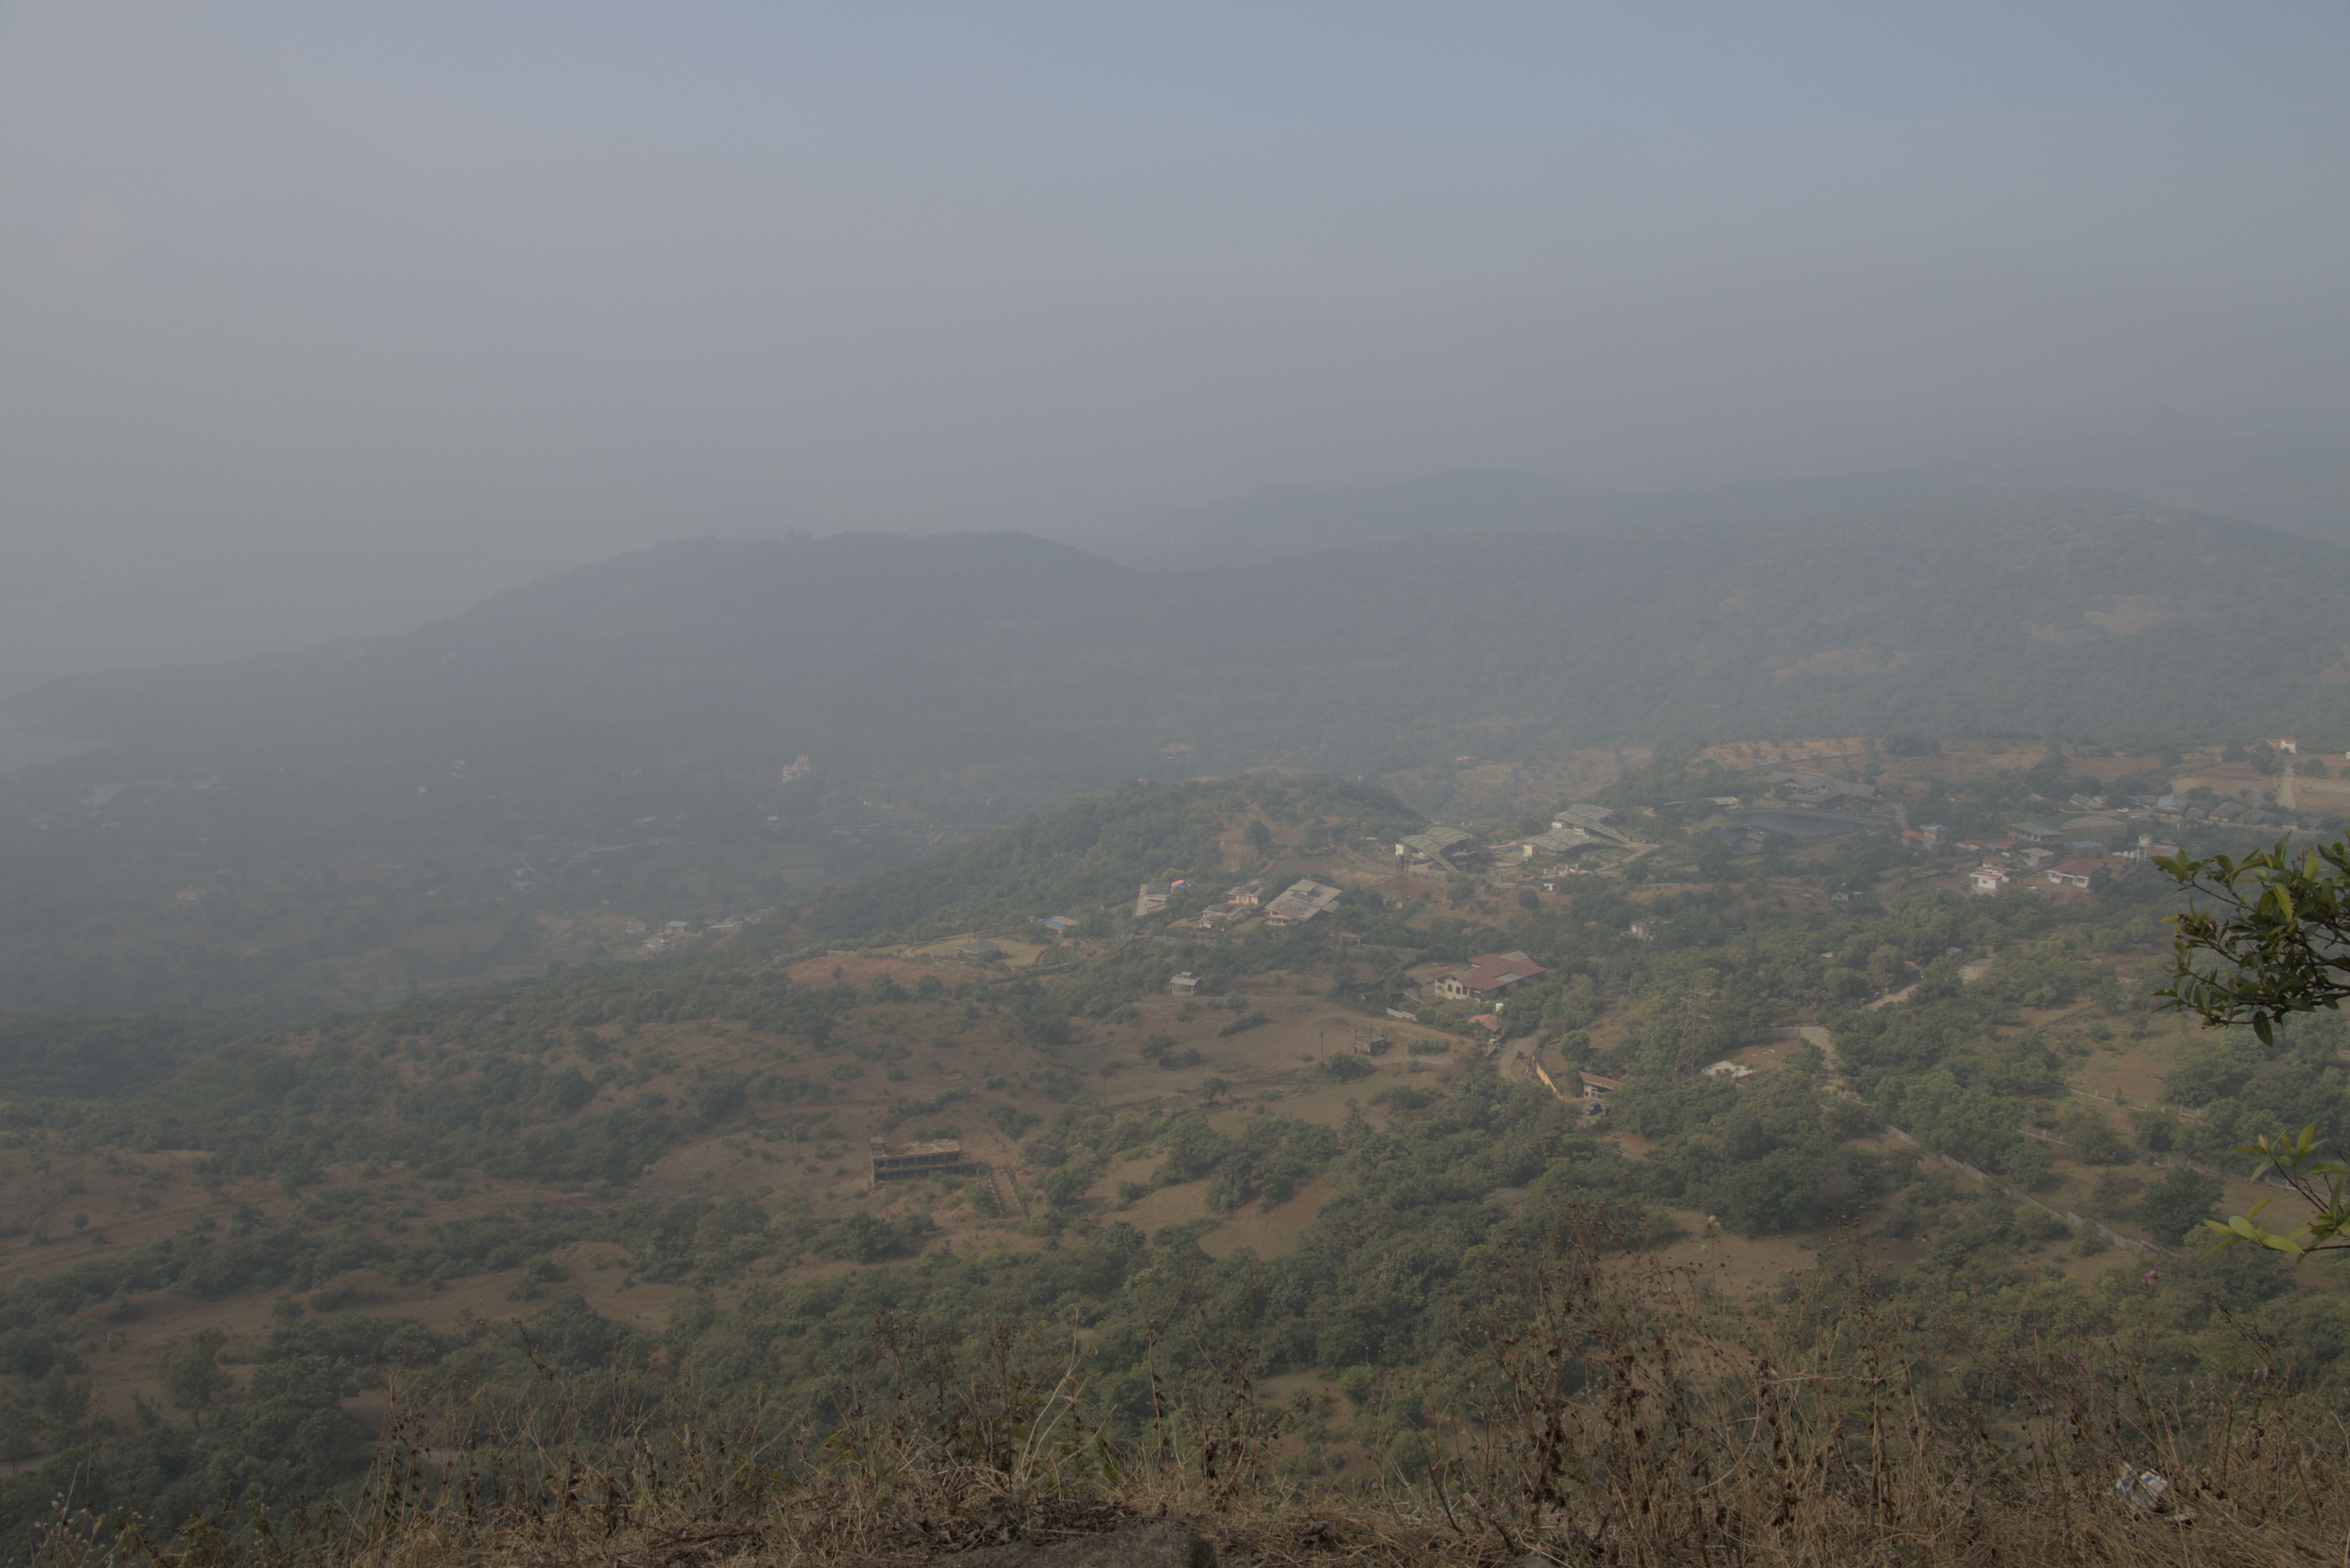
(1930,606)
(614,748)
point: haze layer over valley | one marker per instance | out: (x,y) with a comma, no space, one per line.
(1323,787)
(718,726)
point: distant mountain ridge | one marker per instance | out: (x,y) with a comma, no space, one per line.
(1933,602)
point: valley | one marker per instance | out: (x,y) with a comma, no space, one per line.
(1822,1045)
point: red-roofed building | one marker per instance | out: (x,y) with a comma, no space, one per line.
(1487,974)
(1596,1088)
(2074,873)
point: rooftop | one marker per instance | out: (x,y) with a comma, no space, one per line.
(1302,900)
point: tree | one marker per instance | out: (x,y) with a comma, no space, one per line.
(2092,1136)
(193,1375)
(2179,1202)
(1257,836)
(2263,938)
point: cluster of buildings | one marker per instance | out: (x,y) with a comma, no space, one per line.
(2049,851)
(1299,901)
(674,933)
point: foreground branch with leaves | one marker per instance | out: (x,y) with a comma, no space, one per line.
(2263,938)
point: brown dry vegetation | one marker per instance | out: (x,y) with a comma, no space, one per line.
(126,1201)
(907,1490)
(1629,1408)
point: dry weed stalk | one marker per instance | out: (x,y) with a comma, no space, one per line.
(1629,1421)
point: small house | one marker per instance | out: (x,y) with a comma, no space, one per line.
(978,952)
(1486,975)
(2073,873)
(913,1160)
(1153,899)
(1300,901)
(1567,838)
(1184,985)
(1988,879)
(1250,893)
(1434,843)
(1595,1088)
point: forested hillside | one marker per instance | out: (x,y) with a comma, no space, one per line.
(226,1237)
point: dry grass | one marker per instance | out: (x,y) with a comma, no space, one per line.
(1609,1410)
(1631,1425)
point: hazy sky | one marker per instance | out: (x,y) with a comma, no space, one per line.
(320,318)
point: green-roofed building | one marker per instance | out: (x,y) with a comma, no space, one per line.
(1434,843)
